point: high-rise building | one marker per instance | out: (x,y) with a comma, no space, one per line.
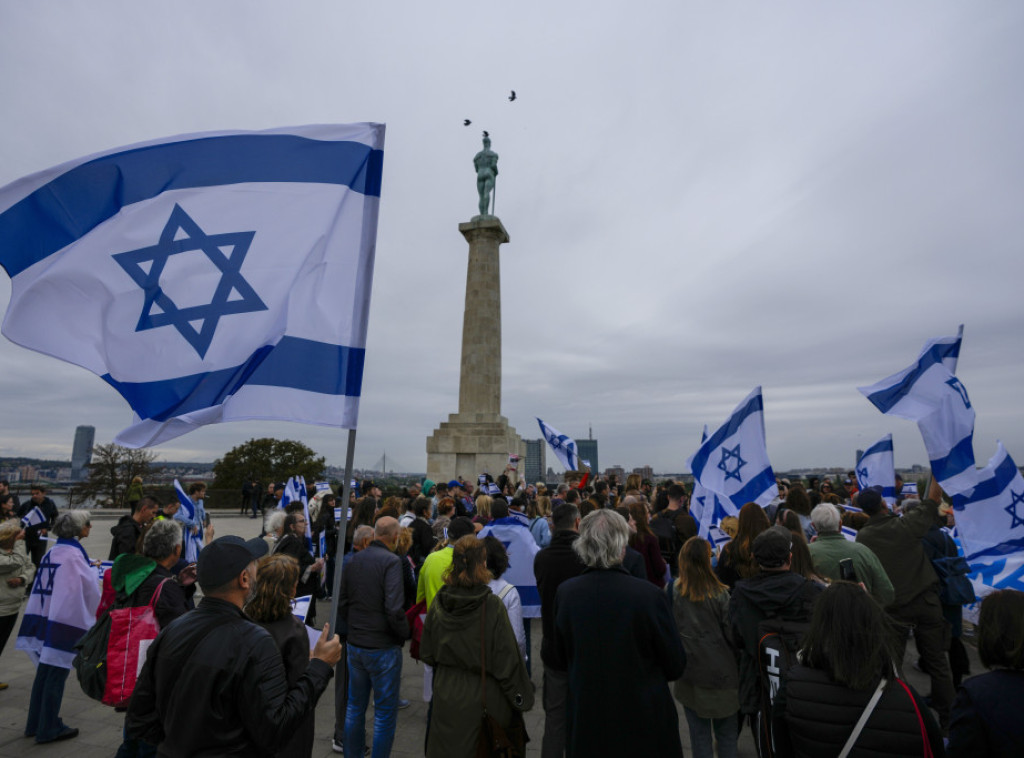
(645,472)
(587,451)
(81,453)
(535,464)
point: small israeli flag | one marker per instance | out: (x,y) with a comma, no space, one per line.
(927,392)
(563,446)
(876,468)
(33,518)
(733,462)
(990,525)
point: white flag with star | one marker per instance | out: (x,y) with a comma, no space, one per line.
(207,277)
(733,462)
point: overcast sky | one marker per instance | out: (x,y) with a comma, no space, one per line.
(701,198)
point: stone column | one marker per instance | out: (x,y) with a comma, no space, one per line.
(480,377)
(478,438)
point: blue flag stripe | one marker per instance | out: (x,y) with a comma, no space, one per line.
(1003,548)
(989,488)
(752,489)
(528,594)
(272,365)
(960,458)
(731,427)
(53,633)
(76,202)
(881,446)
(886,399)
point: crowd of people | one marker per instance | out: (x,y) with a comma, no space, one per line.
(795,628)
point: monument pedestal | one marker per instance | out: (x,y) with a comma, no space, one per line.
(478,438)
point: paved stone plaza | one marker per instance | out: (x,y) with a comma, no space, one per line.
(101,727)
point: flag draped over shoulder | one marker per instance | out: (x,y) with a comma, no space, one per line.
(191,543)
(562,445)
(990,525)
(61,607)
(522,549)
(876,467)
(929,393)
(733,462)
(208,277)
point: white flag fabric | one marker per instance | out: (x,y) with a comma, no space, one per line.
(191,543)
(928,392)
(708,509)
(522,549)
(33,518)
(990,525)
(877,468)
(207,277)
(733,462)
(61,607)
(563,446)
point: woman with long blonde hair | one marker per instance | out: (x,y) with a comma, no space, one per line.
(709,687)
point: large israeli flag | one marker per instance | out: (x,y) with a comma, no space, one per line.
(929,393)
(733,462)
(990,525)
(708,509)
(522,549)
(877,468)
(563,446)
(207,277)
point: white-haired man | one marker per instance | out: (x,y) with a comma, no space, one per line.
(616,638)
(830,547)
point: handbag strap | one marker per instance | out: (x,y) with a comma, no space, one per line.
(156,595)
(859,727)
(483,659)
(920,721)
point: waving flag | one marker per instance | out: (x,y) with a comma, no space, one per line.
(990,525)
(928,392)
(207,277)
(876,468)
(61,607)
(563,446)
(191,544)
(707,509)
(33,518)
(295,492)
(521,548)
(733,462)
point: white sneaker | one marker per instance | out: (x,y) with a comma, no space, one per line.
(337,747)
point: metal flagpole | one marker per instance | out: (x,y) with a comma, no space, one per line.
(346,488)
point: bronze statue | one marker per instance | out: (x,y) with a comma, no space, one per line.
(486,164)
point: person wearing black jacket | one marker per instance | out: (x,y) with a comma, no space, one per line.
(35,535)
(128,529)
(214,683)
(293,543)
(422,533)
(553,565)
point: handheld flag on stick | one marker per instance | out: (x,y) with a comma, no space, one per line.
(876,467)
(733,462)
(927,392)
(563,446)
(193,273)
(33,518)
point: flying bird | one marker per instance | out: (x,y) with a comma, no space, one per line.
(512,96)
(466,122)
(486,134)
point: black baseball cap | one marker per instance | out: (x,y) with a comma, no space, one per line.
(772,547)
(224,558)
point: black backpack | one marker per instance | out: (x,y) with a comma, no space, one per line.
(777,646)
(664,528)
(90,661)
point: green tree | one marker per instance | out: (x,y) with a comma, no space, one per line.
(111,471)
(267,460)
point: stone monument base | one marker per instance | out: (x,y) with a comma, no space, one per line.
(470,444)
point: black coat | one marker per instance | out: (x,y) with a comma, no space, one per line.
(292,640)
(174,600)
(295,546)
(125,533)
(551,566)
(986,716)
(616,638)
(813,716)
(214,685)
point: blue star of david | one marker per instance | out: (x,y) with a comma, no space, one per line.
(960,389)
(44,576)
(1012,509)
(724,463)
(701,500)
(863,474)
(214,246)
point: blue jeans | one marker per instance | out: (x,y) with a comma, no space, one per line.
(725,732)
(381,671)
(44,704)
